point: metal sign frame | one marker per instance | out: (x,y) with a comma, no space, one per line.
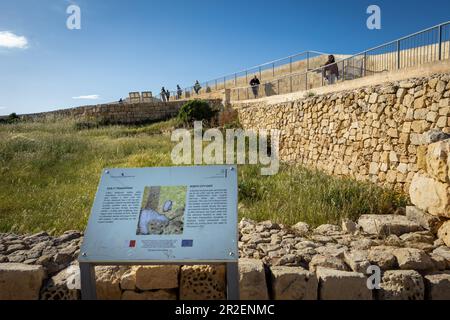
(88,279)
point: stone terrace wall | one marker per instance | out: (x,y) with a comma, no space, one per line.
(120,113)
(378,132)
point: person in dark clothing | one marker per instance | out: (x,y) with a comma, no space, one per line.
(120,101)
(254,83)
(197,87)
(179,92)
(331,71)
(168,95)
(163,94)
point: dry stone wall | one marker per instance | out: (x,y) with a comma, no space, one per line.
(376,133)
(120,113)
(276,262)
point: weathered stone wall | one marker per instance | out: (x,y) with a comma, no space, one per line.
(276,262)
(377,133)
(123,113)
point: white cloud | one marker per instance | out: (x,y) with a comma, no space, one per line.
(10,40)
(1,108)
(88,97)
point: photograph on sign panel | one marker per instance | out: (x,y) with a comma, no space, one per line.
(162,210)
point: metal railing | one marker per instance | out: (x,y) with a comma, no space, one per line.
(432,44)
(305,61)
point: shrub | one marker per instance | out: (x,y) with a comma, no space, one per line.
(195,110)
(228,118)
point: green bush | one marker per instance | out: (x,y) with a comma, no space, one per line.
(195,110)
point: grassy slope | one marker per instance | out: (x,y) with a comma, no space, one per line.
(49,174)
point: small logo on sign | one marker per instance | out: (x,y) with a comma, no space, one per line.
(187,243)
(132,243)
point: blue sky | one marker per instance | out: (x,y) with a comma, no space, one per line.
(141,45)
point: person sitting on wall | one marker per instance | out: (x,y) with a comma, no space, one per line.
(163,94)
(179,92)
(120,100)
(330,70)
(254,83)
(197,87)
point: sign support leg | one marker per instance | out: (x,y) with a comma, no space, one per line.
(87,277)
(232,281)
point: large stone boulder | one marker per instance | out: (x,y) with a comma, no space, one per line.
(444,233)
(252,280)
(401,285)
(438,161)
(430,195)
(156,277)
(438,286)
(427,221)
(203,282)
(293,283)
(332,282)
(327,261)
(387,224)
(20,281)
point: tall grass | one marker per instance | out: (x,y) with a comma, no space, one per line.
(49,172)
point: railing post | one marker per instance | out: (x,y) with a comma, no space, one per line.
(216,83)
(365,63)
(224,82)
(398,54)
(290,84)
(260,76)
(440,42)
(290,65)
(306,80)
(235,79)
(246,76)
(273,69)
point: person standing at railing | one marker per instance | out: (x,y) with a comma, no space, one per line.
(330,70)
(168,95)
(197,87)
(179,92)
(254,83)
(163,94)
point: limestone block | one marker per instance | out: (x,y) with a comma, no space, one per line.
(162,294)
(427,221)
(383,257)
(430,195)
(327,261)
(202,282)
(108,282)
(301,228)
(292,283)
(128,279)
(66,285)
(383,225)
(357,260)
(438,161)
(402,285)
(444,233)
(20,281)
(413,259)
(332,282)
(157,277)
(438,286)
(252,280)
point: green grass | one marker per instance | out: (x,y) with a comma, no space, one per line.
(49,172)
